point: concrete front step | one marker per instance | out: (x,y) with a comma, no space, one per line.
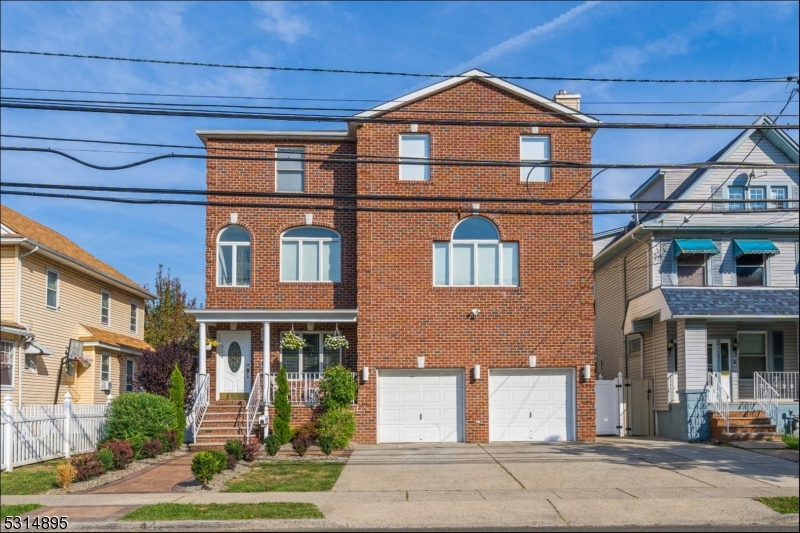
(749,428)
(223,424)
(768,436)
(741,414)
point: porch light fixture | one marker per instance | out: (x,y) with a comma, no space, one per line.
(420,362)
(532,361)
(735,345)
(587,372)
(365,374)
(671,345)
(476,372)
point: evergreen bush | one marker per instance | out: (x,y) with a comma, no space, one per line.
(283,408)
(177,393)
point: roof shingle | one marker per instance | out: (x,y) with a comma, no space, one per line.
(732,302)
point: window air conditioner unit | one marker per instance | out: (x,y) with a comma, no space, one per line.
(106,385)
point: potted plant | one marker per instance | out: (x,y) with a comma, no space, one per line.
(336,341)
(292,341)
(211,343)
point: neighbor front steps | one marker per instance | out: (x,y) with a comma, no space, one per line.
(743,426)
(224,420)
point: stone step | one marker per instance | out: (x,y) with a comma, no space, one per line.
(209,424)
(751,428)
(740,421)
(226,430)
(224,416)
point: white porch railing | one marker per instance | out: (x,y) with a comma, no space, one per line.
(36,433)
(784,383)
(254,405)
(719,399)
(202,386)
(672,388)
(303,387)
(765,395)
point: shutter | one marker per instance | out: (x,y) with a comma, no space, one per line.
(717,193)
(795,196)
(666,264)
(716,266)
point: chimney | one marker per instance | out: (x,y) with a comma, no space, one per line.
(570,100)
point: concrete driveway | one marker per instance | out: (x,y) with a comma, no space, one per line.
(611,468)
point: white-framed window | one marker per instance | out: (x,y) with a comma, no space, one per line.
(7,349)
(314,357)
(736,193)
(290,172)
(752,353)
(134,317)
(105,367)
(52,288)
(475,256)
(130,369)
(233,257)
(534,148)
(757,193)
(416,148)
(751,270)
(105,308)
(691,270)
(779,193)
(311,254)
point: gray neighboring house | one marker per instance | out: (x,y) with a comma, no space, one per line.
(706,306)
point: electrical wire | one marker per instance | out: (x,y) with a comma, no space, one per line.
(774,79)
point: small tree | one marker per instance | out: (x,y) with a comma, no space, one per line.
(156,366)
(165,320)
(177,393)
(338,388)
(283,409)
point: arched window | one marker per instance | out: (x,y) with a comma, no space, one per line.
(311,254)
(476,256)
(233,257)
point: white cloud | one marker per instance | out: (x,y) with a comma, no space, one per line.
(283,20)
(519,41)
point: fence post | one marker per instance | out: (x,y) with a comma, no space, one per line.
(67,423)
(8,433)
(620,387)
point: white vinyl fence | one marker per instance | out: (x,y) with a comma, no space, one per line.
(36,433)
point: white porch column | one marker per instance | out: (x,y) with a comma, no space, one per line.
(265,363)
(201,362)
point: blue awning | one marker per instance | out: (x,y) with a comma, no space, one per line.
(695,246)
(755,246)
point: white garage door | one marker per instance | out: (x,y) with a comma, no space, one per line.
(531,405)
(421,406)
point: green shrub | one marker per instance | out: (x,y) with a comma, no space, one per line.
(338,388)
(139,415)
(177,390)
(106,457)
(204,467)
(221,458)
(272,444)
(339,424)
(235,448)
(326,444)
(283,409)
(137,441)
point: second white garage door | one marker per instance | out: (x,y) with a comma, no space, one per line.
(421,406)
(531,405)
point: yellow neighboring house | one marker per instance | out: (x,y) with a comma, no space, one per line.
(53,291)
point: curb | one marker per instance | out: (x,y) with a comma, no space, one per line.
(211,525)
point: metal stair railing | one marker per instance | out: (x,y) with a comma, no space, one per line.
(201,402)
(254,405)
(719,399)
(766,396)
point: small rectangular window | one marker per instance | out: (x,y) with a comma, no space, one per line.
(290,169)
(758,193)
(30,362)
(691,270)
(736,193)
(7,364)
(134,318)
(750,270)
(105,308)
(105,367)
(415,148)
(778,193)
(441,263)
(129,372)
(534,148)
(52,288)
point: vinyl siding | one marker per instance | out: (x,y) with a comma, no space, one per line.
(653,193)
(673,179)
(609,315)
(79,303)
(598,245)
(694,334)
(659,353)
(637,263)
(782,266)
(8,283)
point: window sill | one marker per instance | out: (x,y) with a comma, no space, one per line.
(30,371)
(50,308)
(7,387)
(491,287)
(311,282)
(233,286)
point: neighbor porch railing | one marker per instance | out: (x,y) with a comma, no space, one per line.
(303,387)
(718,398)
(254,405)
(765,395)
(784,383)
(201,401)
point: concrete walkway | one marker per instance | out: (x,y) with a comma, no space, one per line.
(610,483)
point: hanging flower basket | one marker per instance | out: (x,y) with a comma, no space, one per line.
(290,341)
(211,343)
(336,342)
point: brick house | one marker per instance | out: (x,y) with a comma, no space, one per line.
(471,325)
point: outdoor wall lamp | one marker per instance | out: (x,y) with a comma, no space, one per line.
(476,372)
(671,345)
(473,313)
(365,374)
(735,345)
(587,372)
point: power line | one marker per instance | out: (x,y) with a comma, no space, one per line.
(381,120)
(774,79)
(387,160)
(176,105)
(287,98)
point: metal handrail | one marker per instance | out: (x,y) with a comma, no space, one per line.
(765,395)
(720,400)
(201,401)
(254,404)
(784,383)
(303,387)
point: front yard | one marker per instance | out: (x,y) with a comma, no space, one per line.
(782,504)
(228,511)
(287,476)
(17,510)
(31,479)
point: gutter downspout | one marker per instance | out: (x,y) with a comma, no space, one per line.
(19,319)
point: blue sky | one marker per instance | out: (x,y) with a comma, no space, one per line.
(636,39)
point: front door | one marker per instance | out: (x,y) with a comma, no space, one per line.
(233,365)
(719,363)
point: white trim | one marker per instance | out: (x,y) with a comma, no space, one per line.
(403,167)
(106,346)
(48,270)
(14,355)
(274,315)
(233,245)
(535,162)
(103,357)
(310,135)
(290,150)
(474,74)
(498,243)
(127,375)
(300,241)
(108,293)
(247,359)
(135,315)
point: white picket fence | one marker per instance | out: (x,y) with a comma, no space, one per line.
(36,433)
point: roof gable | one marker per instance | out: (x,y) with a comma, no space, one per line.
(470,75)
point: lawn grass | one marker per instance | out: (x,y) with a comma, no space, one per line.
(223,511)
(782,504)
(32,479)
(288,476)
(791,441)
(17,510)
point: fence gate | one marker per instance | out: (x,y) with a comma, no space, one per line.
(637,400)
(607,406)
